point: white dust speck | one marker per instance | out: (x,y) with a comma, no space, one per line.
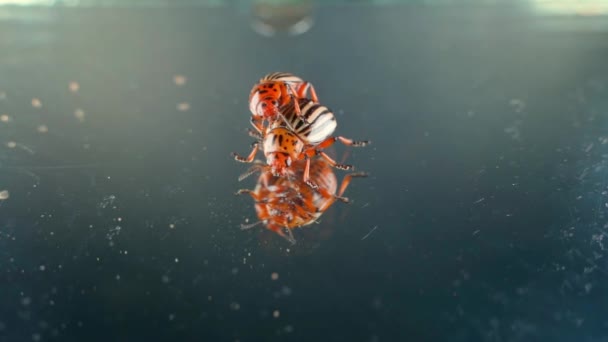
(234,306)
(74,86)
(179,80)
(118,277)
(5,118)
(588,287)
(518,105)
(165,279)
(36,103)
(42,267)
(107,201)
(183,106)
(42,129)
(11,144)
(26,301)
(274,276)
(79,114)
(36,337)
(2,95)
(112,233)
(4,195)
(176,260)
(276,313)
(171,317)
(514,130)
(172,226)
(598,238)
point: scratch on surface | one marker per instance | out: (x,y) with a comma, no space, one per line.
(370,232)
(479,200)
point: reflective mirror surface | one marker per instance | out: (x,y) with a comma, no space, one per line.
(483,217)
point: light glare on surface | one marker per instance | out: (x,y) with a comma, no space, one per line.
(27,2)
(571,7)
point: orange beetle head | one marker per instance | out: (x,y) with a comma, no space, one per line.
(279,163)
(265,99)
(268,107)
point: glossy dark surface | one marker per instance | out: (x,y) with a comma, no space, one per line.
(488,181)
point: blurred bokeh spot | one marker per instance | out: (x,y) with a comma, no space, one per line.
(291,17)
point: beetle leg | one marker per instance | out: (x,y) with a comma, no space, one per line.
(257,123)
(281,231)
(254,134)
(307,87)
(250,157)
(306,177)
(346,181)
(251,225)
(258,166)
(333,163)
(348,142)
(255,196)
(294,97)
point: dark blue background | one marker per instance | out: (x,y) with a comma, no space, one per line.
(488,186)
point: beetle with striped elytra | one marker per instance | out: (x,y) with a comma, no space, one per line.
(299,136)
(274,91)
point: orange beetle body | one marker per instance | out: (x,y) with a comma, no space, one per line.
(274,91)
(299,136)
(281,148)
(286,203)
(297,183)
